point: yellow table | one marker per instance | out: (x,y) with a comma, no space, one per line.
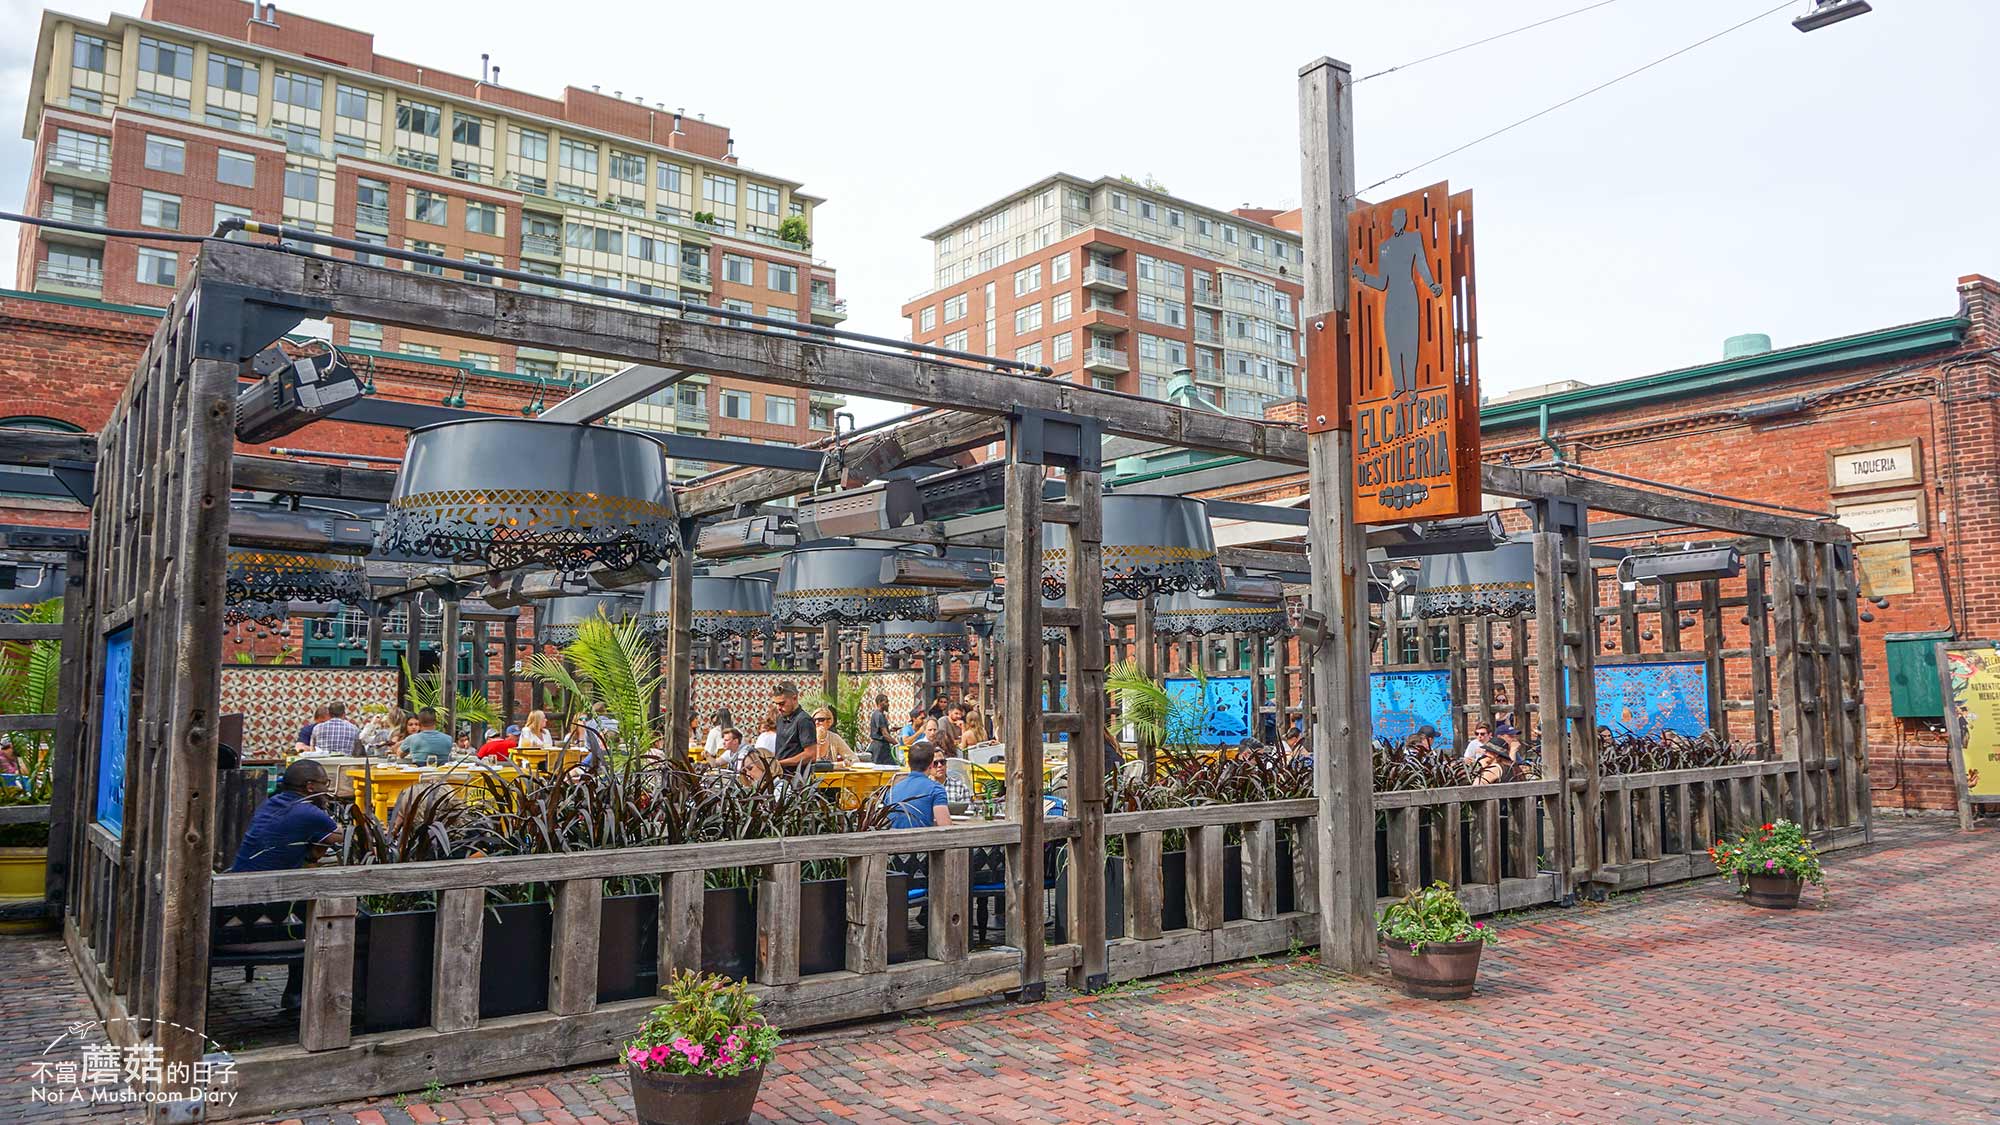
(379,786)
(548,760)
(464,778)
(857,783)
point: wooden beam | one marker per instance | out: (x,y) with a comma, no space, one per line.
(490,312)
(1625,499)
(868,457)
(1343,760)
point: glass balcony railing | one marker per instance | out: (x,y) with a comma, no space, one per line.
(372,215)
(1095,273)
(826,304)
(68,211)
(540,244)
(81,158)
(694,275)
(75,277)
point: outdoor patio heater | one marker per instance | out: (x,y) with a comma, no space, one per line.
(1152,545)
(562,617)
(1495,583)
(843,585)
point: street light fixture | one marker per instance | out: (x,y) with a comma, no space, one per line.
(1828,12)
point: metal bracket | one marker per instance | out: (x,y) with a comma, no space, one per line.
(78,478)
(235,322)
(1097,982)
(1570,517)
(1050,437)
(1032,993)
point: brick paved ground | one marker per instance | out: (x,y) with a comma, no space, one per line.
(1673,1004)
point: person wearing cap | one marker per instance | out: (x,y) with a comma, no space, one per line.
(833,749)
(1495,765)
(1421,741)
(502,745)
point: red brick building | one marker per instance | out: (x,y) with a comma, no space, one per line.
(1895,431)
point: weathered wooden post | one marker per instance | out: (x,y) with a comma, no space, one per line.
(1020,694)
(679,672)
(1343,767)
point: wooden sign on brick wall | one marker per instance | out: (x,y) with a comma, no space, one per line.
(1413,390)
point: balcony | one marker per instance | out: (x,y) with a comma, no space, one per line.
(1096,275)
(697,276)
(375,216)
(1207,336)
(541,246)
(1105,361)
(828,310)
(1104,319)
(52,278)
(1209,297)
(1288,318)
(66,211)
(89,164)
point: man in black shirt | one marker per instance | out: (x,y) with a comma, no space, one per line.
(798,748)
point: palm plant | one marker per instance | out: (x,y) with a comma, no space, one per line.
(616,665)
(428,691)
(848,702)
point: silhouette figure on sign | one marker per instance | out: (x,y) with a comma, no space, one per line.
(1402,311)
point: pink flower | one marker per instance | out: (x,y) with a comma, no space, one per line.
(733,1043)
(637,1055)
(681,1044)
(724,1059)
(1479,925)
(662,1053)
(1769,864)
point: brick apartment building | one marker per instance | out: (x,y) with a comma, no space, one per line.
(1121,285)
(203,110)
(1912,407)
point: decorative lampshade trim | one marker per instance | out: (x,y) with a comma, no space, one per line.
(1221,618)
(263,577)
(842,585)
(896,637)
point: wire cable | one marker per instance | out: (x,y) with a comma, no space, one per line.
(1574,98)
(1483,42)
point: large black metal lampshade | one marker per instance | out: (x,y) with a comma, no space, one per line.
(723,607)
(927,637)
(844,585)
(514,492)
(1496,583)
(1152,545)
(562,616)
(258,585)
(1189,614)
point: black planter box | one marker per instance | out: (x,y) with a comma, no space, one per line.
(628,947)
(1173,890)
(514,964)
(823,924)
(729,933)
(392,969)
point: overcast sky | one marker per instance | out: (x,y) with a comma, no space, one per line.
(1805,186)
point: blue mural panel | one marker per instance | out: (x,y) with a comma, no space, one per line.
(1400,702)
(1218,717)
(115,705)
(1654,697)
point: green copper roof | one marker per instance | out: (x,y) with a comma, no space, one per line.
(1825,355)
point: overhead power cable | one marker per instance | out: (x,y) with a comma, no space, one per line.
(1488,39)
(1574,98)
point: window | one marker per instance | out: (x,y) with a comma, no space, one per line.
(1256,242)
(482,360)
(87,53)
(738,270)
(1062,347)
(482,218)
(418,246)
(781,411)
(1028,280)
(1029,353)
(781,279)
(352,101)
(533,144)
(719,190)
(1059,268)
(224,211)
(168,60)
(161,103)
(372,239)
(1281,250)
(954,308)
(1174,218)
(627,167)
(364,334)
(1229,234)
(157,209)
(418,118)
(469,131)
(583,236)
(1059,307)
(648,249)
(298,138)
(158,267)
(305,92)
(763,198)
(88,101)
(927,318)
(1028,319)
(163,155)
(578,157)
(954,342)
(1148,210)
(233,75)
(425,206)
(670,177)
(735,404)
(423,351)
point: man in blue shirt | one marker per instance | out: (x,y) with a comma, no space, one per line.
(917,799)
(429,745)
(289,830)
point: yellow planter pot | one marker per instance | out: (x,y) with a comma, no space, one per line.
(23,878)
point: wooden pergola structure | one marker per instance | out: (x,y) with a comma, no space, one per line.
(136,915)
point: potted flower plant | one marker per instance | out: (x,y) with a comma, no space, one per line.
(1433,943)
(1771,866)
(699,1058)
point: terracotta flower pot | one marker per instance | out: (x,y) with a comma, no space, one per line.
(659,1098)
(1775,892)
(1445,970)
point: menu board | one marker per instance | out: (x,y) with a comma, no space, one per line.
(1972,708)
